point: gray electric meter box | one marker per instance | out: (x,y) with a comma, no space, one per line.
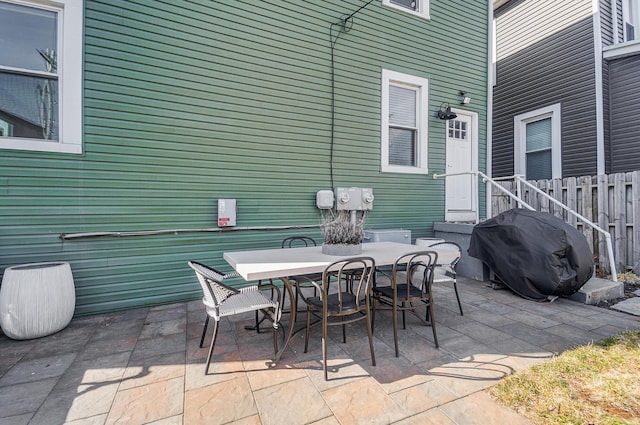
(387,235)
(324,199)
(226,212)
(354,198)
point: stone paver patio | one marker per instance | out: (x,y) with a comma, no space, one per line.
(144,366)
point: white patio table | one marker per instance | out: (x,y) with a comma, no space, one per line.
(262,264)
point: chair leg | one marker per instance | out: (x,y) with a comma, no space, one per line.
(306,336)
(370,334)
(455,288)
(204,331)
(373,312)
(344,333)
(256,327)
(433,323)
(404,318)
(213,341)
(275,339)
(324,347)
(258,320)
(395,327)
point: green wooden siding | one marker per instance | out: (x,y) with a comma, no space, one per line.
(189,102)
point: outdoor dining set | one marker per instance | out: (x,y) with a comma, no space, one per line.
(328,290)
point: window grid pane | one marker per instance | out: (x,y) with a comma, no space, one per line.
(28,37)
(539,165)
(538,135)
(29,107)
(458,129)
(402,106)
(630,20)
(28,103)
(402,147)
(409,4)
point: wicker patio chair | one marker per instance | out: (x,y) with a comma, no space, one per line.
(221,300)
(409,284)
(344,297)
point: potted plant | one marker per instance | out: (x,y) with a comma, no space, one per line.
(343,232)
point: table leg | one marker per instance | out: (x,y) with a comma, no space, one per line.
(288,285)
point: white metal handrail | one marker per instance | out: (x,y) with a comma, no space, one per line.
(485,179)
(607,235)
(521,203)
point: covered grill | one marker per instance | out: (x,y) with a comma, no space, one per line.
(535,254)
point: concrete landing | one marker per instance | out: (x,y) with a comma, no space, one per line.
(597,290)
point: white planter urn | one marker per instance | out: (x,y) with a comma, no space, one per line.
(36,299)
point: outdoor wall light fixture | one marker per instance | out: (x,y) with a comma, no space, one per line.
(445,113)
(465,98)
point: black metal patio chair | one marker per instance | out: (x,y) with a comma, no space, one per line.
(408,287)
(344,296)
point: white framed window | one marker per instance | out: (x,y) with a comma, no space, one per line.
(631,19)
(404,123)
(41,75)
(416,7)
(537,144)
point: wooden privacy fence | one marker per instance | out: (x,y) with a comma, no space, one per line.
(610,201)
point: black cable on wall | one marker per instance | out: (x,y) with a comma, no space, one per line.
(345,24)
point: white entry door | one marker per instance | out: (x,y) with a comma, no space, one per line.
(461,156)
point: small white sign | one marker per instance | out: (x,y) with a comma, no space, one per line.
(226,212)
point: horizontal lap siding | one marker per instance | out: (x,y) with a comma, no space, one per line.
(189,102)
(545,56)
(625,114)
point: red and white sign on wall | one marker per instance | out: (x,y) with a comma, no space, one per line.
(226,212)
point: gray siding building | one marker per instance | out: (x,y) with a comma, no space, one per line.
(566,76)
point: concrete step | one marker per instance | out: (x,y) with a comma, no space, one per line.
(597,290)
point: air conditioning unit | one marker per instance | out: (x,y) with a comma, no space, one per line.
(388,235)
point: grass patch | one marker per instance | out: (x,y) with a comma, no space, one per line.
(629,277)
(592,384)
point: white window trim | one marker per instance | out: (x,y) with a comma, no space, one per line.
(70,27)
(423,10)
(620,50)
(635,14)
(422,84)
(519,136)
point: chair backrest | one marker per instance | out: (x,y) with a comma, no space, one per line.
(450,246)
(414,271)
(349,282)
(214,291)
(293,241)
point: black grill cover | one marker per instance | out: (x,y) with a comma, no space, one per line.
(533,253)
